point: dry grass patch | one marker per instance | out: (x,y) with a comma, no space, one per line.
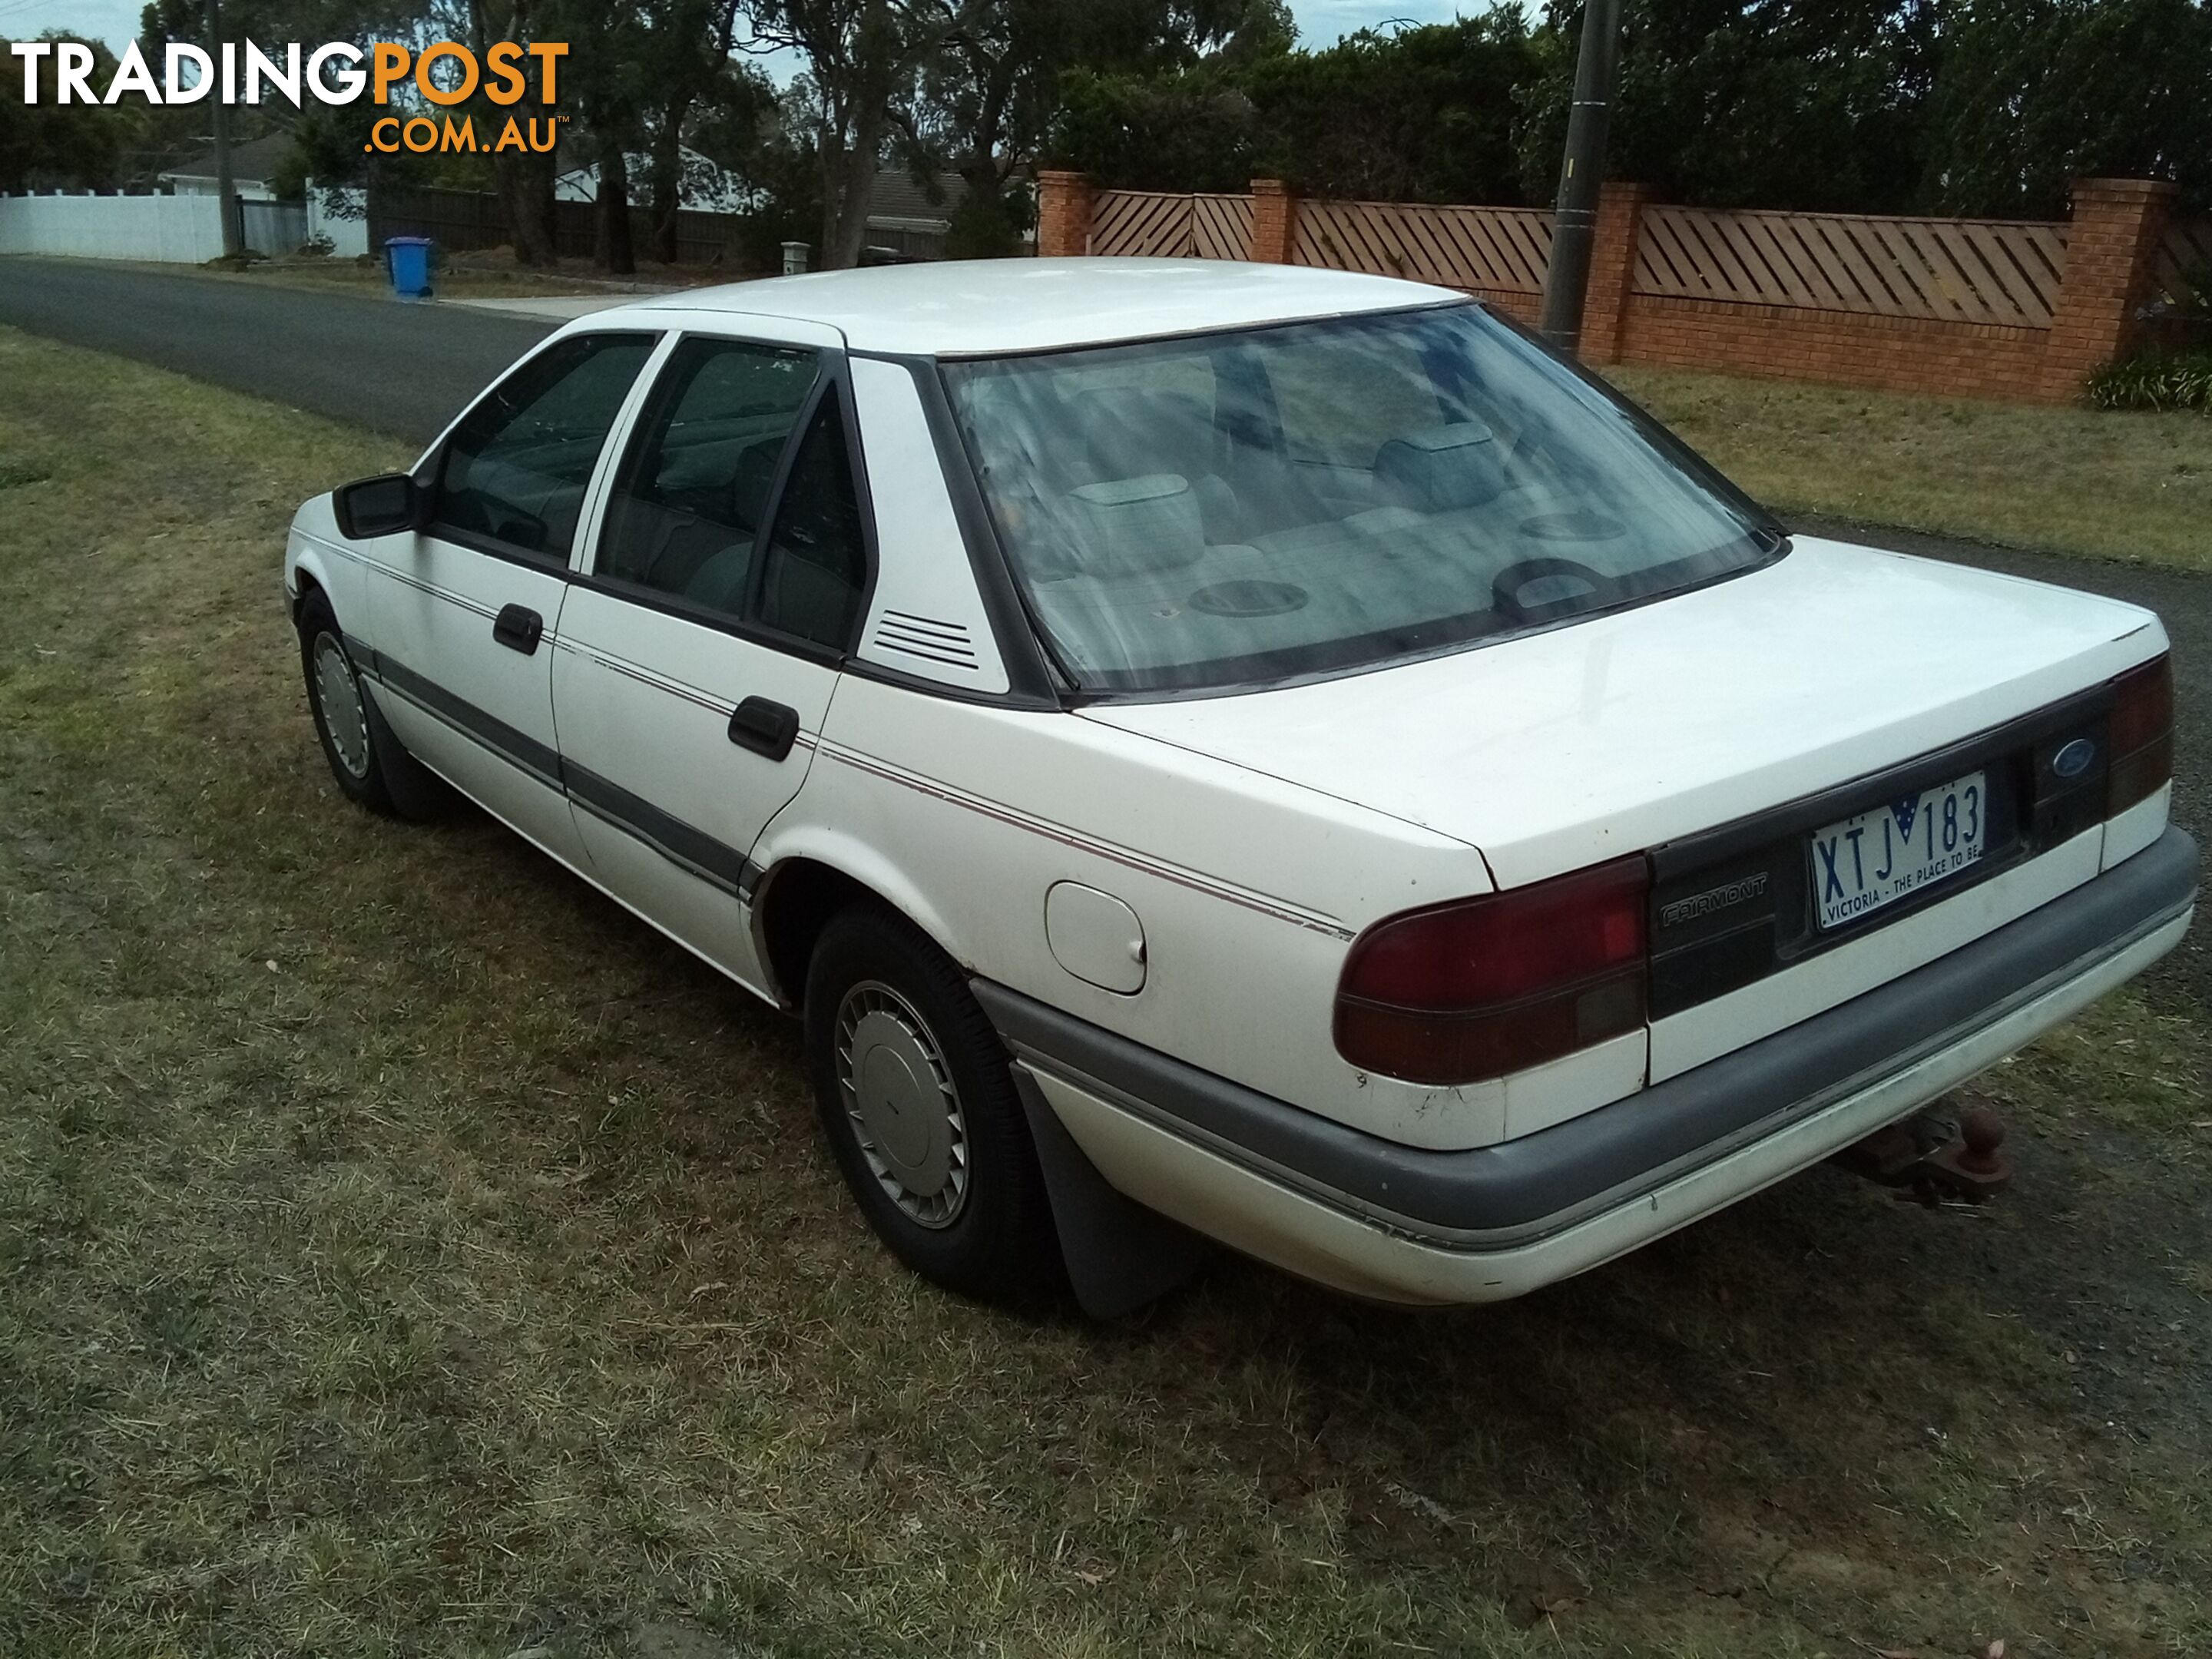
(404,1251)
(2136,487)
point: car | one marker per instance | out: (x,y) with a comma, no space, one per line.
(1249,754)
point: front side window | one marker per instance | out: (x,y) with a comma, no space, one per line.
(685,515)
(1318,496)
(515,470)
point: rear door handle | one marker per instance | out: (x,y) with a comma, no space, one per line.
(519,628)
(765,727)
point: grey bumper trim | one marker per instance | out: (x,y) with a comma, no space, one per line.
(1525,1188)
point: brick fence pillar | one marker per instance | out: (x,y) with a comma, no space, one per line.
(2112,258)
(1063,214)
(1274,222)
(1612,270)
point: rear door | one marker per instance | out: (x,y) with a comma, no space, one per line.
(704,634)
(468,611)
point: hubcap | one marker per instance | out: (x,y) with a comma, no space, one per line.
(900,1099)
(345,716)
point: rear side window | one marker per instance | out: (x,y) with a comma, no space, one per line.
(515,471)
(818,561)
(685,516)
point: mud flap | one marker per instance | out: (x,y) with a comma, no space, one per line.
(1119,1254)
(416,791)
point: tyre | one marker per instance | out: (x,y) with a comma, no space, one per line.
(920,1111)
(364,755)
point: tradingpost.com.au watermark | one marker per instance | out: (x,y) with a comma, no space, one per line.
(331,74)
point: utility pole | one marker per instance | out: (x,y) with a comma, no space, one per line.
(226,192)
(1582,171)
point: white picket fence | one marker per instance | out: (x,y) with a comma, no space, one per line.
(172,229)
(177,229)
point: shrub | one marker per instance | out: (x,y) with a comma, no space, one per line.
(2181,379)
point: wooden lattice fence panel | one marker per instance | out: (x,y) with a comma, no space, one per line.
(1143,223)
(2185,261)
(1503,250)
(1967,271)
(1221,227)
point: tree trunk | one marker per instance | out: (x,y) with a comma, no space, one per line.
(847,185)
(667,184)
(525,194)
(610,244)
(523,180)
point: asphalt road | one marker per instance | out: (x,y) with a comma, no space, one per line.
(406,369)
(402,369)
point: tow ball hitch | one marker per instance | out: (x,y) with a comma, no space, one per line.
(1949,1150)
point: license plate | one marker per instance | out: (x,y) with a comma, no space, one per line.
(1876,858)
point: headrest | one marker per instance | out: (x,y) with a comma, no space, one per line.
(1440,468)
(1127,428)
(751,481)
(1122,526)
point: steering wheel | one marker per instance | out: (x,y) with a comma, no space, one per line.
(1505,589)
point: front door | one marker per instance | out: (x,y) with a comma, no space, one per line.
(467,614)
(701,646)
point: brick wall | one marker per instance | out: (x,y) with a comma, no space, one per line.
(2110,252)
(1275,222)
(2111,257)
(1893,353)
(1613,241)
(1824,307)
(1063,214)
(1523,309)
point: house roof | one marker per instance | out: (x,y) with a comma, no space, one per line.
(991,307)
(257,158)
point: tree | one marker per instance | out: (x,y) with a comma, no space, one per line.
(1193,129)
(743,129)
(329,142)
(1807,103)
(607,84)
(2031,93)
(523,178)
(987,102)
(690,75)
(1425,114)
(50,145)
(863,59)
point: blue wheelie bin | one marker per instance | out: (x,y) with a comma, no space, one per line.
(409,259)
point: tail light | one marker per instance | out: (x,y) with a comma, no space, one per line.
(1483,986)
(2140,736)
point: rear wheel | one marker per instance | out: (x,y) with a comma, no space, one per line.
(920,1111)
(364,755)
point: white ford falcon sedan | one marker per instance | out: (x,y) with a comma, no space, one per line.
(1259,749)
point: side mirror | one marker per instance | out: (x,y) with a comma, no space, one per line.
(380,507)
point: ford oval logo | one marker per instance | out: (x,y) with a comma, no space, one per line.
(2073,760)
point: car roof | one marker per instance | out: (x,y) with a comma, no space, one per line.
(990,307)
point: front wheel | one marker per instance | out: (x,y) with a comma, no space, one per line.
(920,1109)
(364,755)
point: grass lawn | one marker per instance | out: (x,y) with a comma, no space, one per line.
(2115,486)
(403,1250)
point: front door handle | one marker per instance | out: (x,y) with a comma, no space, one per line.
(766,729)
(519,628)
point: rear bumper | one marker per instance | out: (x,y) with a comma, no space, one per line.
(1397,1223)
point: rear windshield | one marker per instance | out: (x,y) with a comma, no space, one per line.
(1235,508)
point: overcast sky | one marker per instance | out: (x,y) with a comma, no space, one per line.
(1320,21)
